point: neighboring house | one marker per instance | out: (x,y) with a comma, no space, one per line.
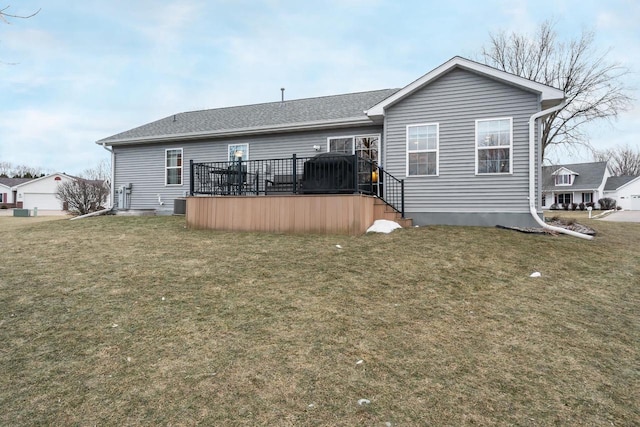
(8,193)
(573,183)
(588,183)
(41,192)
(5,195)
(625,190)
(458,136)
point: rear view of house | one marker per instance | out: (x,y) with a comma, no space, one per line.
(462,141)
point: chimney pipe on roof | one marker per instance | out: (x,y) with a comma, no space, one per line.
(282,90)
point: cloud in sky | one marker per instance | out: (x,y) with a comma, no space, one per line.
(90,69)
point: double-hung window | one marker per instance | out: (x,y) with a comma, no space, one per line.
(422,149)
(494,146)
(173,166)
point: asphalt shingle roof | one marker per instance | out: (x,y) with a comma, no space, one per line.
(10,182)
(287,113)
(590,176)
(615,182)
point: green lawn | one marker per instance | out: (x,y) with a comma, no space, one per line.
(139,321)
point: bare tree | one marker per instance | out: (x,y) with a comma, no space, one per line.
(25,171)
(89,192)
(83,196)
(4,15)
(621,161)
(8,169)
(5,169)
(102,171)
(593,86)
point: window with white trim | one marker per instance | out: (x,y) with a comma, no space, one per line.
(422,149)
(365,146)
(494,146)
(587,197)
(564,179)
(238,151)
(368,147)
(563,198)
(173,166)
(341,145)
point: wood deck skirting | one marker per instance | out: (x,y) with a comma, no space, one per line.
(320,214)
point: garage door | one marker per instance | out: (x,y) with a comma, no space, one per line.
(41,201)
(634,202)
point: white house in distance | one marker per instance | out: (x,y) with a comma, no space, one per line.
(625,190)
(41,192)
(5,195)
(8,193)
(31,193)
(588,183)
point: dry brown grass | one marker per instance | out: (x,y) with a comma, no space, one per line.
(259,329)
(8,223)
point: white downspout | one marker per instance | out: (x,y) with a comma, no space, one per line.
(532,175)
(113,175)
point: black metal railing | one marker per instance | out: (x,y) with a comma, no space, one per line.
(327,173)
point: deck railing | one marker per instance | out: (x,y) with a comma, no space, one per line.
(329,173)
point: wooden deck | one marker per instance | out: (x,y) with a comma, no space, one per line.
(320,214)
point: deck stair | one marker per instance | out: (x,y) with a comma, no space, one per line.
(383,211)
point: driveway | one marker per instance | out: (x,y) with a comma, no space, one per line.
(623,216)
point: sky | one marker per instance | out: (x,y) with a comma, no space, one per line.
(83,70)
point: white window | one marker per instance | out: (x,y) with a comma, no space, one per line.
(173,166)
(238,151)
(587,197)
(365,146)
(564,198)
(341,145)
(422,149)
(368,147)
(564,179)
(493,146)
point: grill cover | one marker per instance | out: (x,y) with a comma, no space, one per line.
(329,173)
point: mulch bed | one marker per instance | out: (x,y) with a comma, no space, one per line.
(573,226)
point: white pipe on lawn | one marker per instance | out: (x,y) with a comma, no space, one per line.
(96,213)
(532,175)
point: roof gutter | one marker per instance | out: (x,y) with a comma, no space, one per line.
(532,175)
(112,190)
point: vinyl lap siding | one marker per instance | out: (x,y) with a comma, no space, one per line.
(456,101)
(144,165)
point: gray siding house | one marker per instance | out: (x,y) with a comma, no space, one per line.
(463,137)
